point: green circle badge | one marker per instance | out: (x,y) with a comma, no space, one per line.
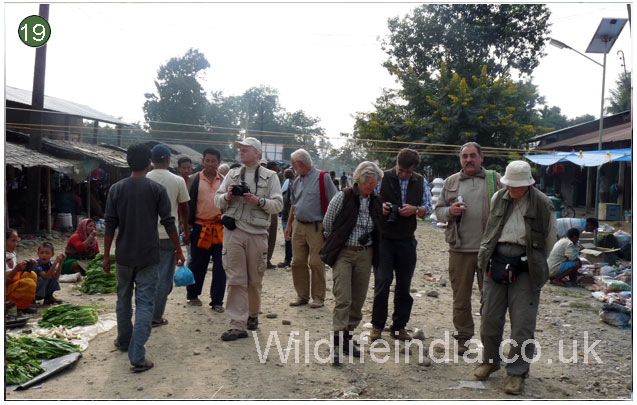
(34,31)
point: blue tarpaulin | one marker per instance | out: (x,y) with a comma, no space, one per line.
(588,158)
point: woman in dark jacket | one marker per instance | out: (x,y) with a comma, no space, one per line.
(352,234)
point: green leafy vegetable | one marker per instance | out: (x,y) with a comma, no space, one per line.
(22,354)
(97,281)
(69,315)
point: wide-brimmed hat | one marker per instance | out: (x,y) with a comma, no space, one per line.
(518,174)
(249,141)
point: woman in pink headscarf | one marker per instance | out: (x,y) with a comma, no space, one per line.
(81,246)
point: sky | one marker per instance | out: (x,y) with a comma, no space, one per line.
(324,59)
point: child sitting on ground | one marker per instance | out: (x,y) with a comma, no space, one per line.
(20,281)
(48,274)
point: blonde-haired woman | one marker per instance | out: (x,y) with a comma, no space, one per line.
(352,233)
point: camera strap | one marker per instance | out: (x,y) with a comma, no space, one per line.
(256,177)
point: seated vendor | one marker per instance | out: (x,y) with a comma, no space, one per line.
(82,245)
(564,259)
(20,281)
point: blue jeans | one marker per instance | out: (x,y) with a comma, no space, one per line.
(199,267)
(46,288)
(165,277)
(144,281)
(399,256)
(288,243)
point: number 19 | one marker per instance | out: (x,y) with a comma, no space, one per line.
(39,32)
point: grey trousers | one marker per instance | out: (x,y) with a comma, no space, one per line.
(522,302)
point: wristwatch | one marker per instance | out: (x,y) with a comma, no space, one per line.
(417,208)
(261,202)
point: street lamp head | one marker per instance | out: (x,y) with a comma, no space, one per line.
(558,44)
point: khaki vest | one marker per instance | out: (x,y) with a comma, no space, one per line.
(242,211)
(537,222)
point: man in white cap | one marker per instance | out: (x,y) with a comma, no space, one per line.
(249,195)
(519,236)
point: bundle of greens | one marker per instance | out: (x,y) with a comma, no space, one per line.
(98,282)
(22,354)
(69,315)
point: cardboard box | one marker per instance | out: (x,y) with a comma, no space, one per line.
(600,255)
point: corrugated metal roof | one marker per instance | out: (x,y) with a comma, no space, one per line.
(20,156)
(57,104)
(623,132)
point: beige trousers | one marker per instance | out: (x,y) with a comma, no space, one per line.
(351,274)
(307,240)
(462,267)
(244,256)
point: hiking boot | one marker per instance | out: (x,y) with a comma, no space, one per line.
(253,323)
(233,334)
(316,304)
(401,334)
(484,370)
(346,346)
(463,346)
(375,334)
(298,302)
(513,384)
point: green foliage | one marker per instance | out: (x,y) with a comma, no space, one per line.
(451,110)
(22,354)
(96,280)
(69,315)
(466,37)
(620,95)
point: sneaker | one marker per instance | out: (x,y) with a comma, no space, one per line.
(316,304)
(283,265)
(196,302)
(484,370)
(513,384)
(270,266)
(401,334)
(375,334)
(298,302)
(253,323)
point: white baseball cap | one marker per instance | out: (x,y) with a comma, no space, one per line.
(250,141)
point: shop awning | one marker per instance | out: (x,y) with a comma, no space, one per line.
(587,159)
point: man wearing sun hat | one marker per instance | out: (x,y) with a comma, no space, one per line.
(245,237)
(519,236)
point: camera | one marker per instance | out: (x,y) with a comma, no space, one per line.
(364,239)
(29,267)
(393,213)
(240,189)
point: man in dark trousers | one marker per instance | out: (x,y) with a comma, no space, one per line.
(406,197)
(134,205)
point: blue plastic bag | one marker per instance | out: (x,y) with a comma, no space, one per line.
(184,277)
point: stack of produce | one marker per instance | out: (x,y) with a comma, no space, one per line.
(22,354)
(69,315)
(97,281)
(613,288)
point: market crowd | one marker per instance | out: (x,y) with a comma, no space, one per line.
(501,230)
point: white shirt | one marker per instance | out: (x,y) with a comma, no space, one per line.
(177,193)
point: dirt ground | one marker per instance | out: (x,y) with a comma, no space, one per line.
(192,362)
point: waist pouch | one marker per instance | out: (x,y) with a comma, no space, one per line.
(228,222)
(505,269)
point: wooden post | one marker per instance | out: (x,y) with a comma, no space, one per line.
(620,180)
(95,126)
(589,189)
(48,200)
(119,135)
(88,196)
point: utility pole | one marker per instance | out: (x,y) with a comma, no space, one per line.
(35,139)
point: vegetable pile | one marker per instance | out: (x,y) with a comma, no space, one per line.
(22,354)
(98,282)
(69,315)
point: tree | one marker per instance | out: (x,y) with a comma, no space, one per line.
(449,110)
(466,37)
(179,98)
(620,95)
